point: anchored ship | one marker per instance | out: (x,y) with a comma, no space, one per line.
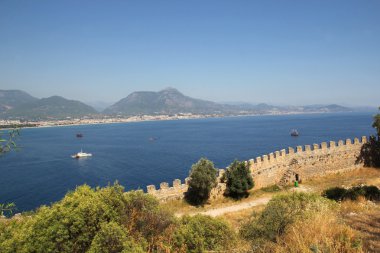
(81,154)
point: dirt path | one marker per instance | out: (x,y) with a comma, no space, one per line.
(229,209)
(241,206)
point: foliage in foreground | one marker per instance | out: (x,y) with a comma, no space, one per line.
(110,220)
(238,179)
(203,233)
(299,222)
(338,193)
(370,151)
(280,212)
(7,140)
(202,180)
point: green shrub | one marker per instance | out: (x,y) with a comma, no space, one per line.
(282,211)
(335,193)
(202,180)
(113,238)
(203,233)
(353,193)
(238,179)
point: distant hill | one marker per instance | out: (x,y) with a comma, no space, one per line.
(171,101)
(10,99)
(54,107)
(16,104)
(167,101)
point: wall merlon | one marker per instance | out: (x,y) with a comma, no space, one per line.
(307,148)
(315,146)
(291,151)
(258,160)
(340,143)
(164,185)
(177,183)
(356,141)
(271,157)
(324,145)
(348,142)
(265,158)
(364,139)
(299,149)
(332,144)
(283,153)
(151,188)
(277,155)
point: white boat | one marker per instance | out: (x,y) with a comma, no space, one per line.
(81,154)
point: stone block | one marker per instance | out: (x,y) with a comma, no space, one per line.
(151,188)
(164,186)
(177,183)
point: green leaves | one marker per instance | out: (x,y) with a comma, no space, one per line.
(238,179)
(7,142)
(7,209)
(202,180)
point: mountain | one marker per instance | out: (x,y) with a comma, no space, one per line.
(167,101)
(54,107)
(171,101)
(12,98)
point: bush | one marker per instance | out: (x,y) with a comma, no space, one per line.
(353,193)
(280,213)
(113,238)
(202,180)
(335,193)
(238,179)
(203,233)
(321,233)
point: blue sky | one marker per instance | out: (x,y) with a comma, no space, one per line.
(279,52)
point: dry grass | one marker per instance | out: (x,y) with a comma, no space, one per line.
(363,216)
(368,176)
(322,233)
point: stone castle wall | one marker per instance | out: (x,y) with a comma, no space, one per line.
(283,167)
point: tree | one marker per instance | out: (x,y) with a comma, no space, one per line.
(7,142)
(6,145)
(239,179)
(202,180)
(370,151)
(376,124)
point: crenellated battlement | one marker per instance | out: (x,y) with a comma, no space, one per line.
(305,161)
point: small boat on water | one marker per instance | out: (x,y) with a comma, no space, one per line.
(294,133)
(79,135)
(81,154)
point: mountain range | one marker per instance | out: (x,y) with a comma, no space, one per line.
(16,104)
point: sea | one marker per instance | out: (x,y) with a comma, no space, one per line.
(138,154)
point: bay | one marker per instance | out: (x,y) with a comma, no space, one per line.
(142,153)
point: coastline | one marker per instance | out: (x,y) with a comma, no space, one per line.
(133,119)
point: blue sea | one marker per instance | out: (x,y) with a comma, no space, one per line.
(142,153)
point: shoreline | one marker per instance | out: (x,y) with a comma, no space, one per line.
(136,119)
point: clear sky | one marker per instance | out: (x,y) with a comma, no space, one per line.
(279,52)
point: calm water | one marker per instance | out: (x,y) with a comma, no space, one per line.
(43,171)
